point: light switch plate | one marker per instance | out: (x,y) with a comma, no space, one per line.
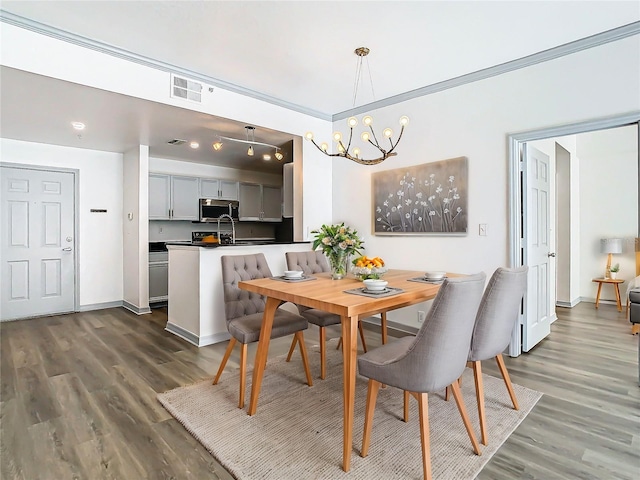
(482,230)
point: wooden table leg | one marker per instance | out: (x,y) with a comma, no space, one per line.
(263,350)
(598,295)
(383,326)
(349,350)
(617,289)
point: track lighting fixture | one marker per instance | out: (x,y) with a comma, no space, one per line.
(250,139)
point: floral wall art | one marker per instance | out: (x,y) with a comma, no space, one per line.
(422,200)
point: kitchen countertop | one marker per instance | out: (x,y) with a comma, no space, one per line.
(239,243)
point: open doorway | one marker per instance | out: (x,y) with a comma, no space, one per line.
(584,206)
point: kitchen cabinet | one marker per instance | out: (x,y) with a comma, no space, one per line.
(158,277)
(260,203)
(173,197)
(218,189)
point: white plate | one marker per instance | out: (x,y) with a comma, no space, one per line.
(384,290)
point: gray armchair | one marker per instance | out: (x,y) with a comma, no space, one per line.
(496,318)
(315,262)
(244,311)
(430,361)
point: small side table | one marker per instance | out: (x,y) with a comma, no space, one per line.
(613,281)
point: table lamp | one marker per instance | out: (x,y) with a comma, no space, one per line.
(610,246)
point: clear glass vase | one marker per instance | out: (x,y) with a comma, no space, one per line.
(339,265)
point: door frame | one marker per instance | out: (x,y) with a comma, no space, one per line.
(76,223)
(517,142)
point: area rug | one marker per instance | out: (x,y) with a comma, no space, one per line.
(296,432)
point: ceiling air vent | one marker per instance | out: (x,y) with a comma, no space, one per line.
(186,89)
(176,141)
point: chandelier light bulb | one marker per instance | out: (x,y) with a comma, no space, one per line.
(308,135)
(368,120)
(340,148)
(404,121)
(356,152)
(217,146)
(324,147)
(387,132)
(365,136)
(250,151)
(337,136)
(279,156)
(352,122)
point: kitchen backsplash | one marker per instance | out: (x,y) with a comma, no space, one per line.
(172,230)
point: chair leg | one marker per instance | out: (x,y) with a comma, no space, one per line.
(457,394)
(305,359)
(372,395)
(292,348)
(243,372)
(423,406)
(477,376)
(361,329)
(406,406)
(507,380)
(227,354)
(323,353)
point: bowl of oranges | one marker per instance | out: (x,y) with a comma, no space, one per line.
(368,267)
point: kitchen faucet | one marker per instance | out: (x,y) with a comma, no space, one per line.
(233,227)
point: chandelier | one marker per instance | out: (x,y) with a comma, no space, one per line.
(251,141)
(344,150)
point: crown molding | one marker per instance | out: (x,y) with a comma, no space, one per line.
(586,43)
(101,47)
(592,41)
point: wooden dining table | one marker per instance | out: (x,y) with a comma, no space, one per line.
(329,295)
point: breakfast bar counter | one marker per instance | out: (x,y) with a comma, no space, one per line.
(196,301)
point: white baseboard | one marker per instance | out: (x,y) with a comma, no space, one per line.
(195,339)
(100,306)
(137,310)
(570,304)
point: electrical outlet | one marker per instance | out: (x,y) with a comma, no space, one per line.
(482,230)
(421,316)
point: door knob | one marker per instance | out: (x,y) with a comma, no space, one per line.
(67,249)
(551,254)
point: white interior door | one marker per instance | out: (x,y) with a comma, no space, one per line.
(539,254)
(38,243)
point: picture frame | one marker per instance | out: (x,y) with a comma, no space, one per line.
(426,199)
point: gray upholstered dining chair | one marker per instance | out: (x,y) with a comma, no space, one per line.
(244,311)
(310,262)
(495,320)
(428,362)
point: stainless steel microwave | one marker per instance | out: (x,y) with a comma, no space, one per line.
(211,210)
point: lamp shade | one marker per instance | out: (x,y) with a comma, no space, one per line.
(611,245)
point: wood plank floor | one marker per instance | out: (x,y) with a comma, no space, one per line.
(78,399)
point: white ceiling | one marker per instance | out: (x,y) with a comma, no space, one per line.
(298,52)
